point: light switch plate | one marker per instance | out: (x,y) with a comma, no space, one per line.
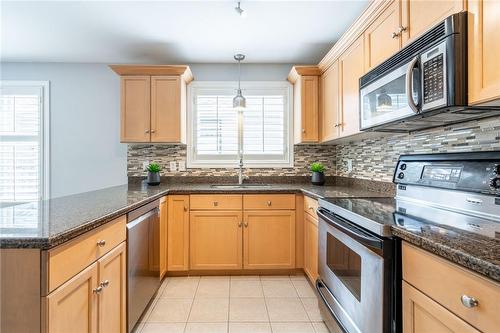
(145,165)
(182,165)
(173,166)
(349,165)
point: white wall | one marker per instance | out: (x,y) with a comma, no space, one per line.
(249,72)
(86,153)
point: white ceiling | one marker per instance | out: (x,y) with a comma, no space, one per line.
(172,31)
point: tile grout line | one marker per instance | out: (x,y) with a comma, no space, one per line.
(192,304)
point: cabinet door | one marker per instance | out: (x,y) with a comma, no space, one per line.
(165,109)
(310,247)
(421,314)
(329,83)
(215,240)
(484,48)
(419,16)
(309,108)
(382,38)
(73,306)
(163,236)
(135,109)
(269,239)
(178,233)
(112,298)
(351,64)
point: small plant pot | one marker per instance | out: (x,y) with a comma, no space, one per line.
(318,178)
(153,178)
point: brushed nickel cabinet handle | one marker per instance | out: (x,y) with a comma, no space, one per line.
(269,203)
(402,29)
(101,243)
(303,130)
(469,302)
(216,203)
(185,209)
(146,131)
(104,283)
(395,35)
(240,224)
(97,290)
(153,131)
(245,224)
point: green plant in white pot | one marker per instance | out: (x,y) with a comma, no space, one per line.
(153,174)
(318,173)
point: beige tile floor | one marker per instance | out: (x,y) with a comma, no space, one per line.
(234,304)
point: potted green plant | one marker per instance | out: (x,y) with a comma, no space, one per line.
(318,173)
(153,174)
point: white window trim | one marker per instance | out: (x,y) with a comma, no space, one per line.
(245,85)
(44,130)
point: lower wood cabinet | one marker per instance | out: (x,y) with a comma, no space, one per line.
(215,240)
(92,301)
(269,239)
(421,314)
(178,233)
(163,236)
(311,247)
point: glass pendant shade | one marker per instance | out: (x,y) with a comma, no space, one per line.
(239,102)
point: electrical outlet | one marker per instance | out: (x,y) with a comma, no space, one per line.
(349,165)
(173,166)
(145,165)
(182,165)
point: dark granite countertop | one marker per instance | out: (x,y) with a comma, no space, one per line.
(48,223)
(471,242)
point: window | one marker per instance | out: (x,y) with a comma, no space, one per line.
(214,125)
(23,141)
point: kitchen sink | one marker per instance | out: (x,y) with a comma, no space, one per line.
(237,186)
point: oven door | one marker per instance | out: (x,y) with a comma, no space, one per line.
(393,96)
(351,271)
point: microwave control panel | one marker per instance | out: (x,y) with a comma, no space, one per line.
(433,80)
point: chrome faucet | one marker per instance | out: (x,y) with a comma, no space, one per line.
(241,176)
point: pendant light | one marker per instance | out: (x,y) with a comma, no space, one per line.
(239,102)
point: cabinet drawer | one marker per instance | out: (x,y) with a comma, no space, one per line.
(218,201)
(269,201)
(66,260)
(310,206)
(446,283)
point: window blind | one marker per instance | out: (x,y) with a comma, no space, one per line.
(20,143)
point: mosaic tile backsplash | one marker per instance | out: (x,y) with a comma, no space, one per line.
(163,154)
(373,158)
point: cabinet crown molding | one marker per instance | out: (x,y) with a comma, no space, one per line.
(181,70)
(297,71)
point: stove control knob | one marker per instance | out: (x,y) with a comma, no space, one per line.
(401,175)
(495,183)
(497,169)
(403,166)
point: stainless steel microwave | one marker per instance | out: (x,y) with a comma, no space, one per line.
(424,85)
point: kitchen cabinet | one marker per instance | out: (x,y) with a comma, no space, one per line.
(269,239)
(310,247)
(383,37)
(305,80)
(351,66)
(153,103)
(163,236)
(421,314)
(73,306)
(428,303)
(330,103)
(420,16)
(483,50)
(178,233)
(216,239)
(112,299)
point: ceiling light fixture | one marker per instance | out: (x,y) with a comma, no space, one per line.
(239,102)
(240,10)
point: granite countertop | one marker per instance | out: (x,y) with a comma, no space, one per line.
(48,223)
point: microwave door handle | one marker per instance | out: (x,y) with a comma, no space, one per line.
(409,85)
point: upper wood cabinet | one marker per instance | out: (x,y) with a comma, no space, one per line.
(178,233)
(484,48)
(215,239)
(419,16)
(383,38)
(305,80)
(351,66)
(330,103)
(153,103)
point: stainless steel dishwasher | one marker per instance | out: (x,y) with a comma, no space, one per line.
(143,263)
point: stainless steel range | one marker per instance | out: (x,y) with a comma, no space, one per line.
(359,259)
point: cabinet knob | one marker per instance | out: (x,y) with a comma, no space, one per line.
(185,209)
(402,29)
(469,302)
(216,203)
(153,131)
(269,203)
(240,224)
(104,283)
(310,207)
(97,290)
(395,34)
(245,224)
(303,130)
(101,243)
(146,131)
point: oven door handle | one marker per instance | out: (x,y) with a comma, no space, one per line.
(360,236)
(409,85)
(320,285)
